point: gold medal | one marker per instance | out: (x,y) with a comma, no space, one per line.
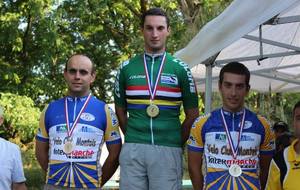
(152,110)
(235,170)
(68,147)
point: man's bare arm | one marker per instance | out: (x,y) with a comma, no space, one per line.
(190,116)
(41,153)
(122,117)
(19,186)
(111,163)
(264,169)
(195,169)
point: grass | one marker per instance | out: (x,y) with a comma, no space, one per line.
(35,176)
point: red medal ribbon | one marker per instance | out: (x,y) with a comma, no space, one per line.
(70,130)
(153,93)
(234,150)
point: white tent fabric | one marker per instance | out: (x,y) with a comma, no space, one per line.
(242,19)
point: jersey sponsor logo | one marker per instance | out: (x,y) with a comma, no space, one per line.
(189,75)
(113,117)
(86,142)
(247,138)
(86,129)
(213,149)
(192,89)
(248,124)
(244,163)
(75,154)
(61,129)
(296,165)
(272,144)
(191,140)
(117,85)
(224,150)
(220,137)
(39,132)
(87,117)
(137,77)
(114,134)
(125,63)
(199,118)
(173,80)
(57,141)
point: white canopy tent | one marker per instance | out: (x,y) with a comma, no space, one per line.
(262,34)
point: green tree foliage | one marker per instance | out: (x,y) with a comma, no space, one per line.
(274,106)
(197,13)
(20,117)
(37,37)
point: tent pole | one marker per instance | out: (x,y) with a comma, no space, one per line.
(208,87)
(260,42)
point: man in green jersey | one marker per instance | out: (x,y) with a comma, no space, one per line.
(149,91)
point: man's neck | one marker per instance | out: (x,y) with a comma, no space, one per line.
(150,51)
(154,54)
(233,111)
(78,95)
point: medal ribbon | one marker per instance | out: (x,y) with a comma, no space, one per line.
(233,150)
(70,130)
(152,93)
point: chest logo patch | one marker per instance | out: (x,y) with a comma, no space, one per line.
(173,80)
(248,124)
(221,137)
(87,117)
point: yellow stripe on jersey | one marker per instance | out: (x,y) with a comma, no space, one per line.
(112,131)
(269,141)
(157,102)
(253,187)
(241,182)
(224,183)
(67,179)
(215,170)
(62,176)
(196,131)
(55,162)
(251,174)
(42,123)
(82,172)
(219,179)
(78,176)
(89,166)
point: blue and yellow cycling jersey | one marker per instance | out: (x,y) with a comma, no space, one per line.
(208,136)
(97,124)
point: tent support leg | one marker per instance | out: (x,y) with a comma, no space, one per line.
(208,87)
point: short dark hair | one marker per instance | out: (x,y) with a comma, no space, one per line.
(281,126)
(154,12)
(80,54)
(236,68)
(297,105)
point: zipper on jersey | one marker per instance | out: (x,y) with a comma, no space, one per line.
(232,124)
(74,117)
(151,82)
